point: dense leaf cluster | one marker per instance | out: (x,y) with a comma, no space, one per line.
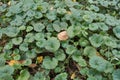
(29,29)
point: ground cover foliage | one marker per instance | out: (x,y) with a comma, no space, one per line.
(60,40)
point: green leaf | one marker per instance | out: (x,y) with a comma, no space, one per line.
(17,40)
(6,70)
(93,26)
(97,63)
(88,18)
(38,15)
(27,5)
(22,27)
(61,10)
(38,27)
(96,40)
(73,31)
(2,61)
(70,32)
(116,31)
(56,27)
(70,49)
(49,63)
(29,28)
(31,54)
(11,31)
(103,26)
(91,78)
(116,53)
(17,57)
(27,62)
(41,43)
(2,8)
(110,42)
(116,74)
(24,75)
(39,36)
(52,44)
(0,34)
(14,9)
(61,76)
(101,64)
(83,42)
(17,21)
(80,60)
(89,51)
(51,15)
(28,38)
(41,76)
(60,55)
(23,47)
(8,45)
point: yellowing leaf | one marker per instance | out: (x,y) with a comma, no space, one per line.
(62,36)
(98,54)
(73,75)
(74,0)
(9,3)
(39,59)
(51,8)
(12,62)
(69,12)
(1,3)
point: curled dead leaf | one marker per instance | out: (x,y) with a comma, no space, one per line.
(62,36)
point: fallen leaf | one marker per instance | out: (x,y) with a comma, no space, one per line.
(1,3)
(62,36)
(73,75)
(51,8)
(74,0)
(32,65)
(13,62)
(69,12)
(39,59)
(9,3)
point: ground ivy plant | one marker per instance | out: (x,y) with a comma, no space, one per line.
(59,40)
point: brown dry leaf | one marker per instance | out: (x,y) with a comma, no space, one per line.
(12,62)
(73,76)
(62,36)
(32,65)
(21,61)
(39,59)
(98,54)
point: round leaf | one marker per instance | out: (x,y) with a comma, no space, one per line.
(52,44)
(116,31)
(17,40)
(49,63)
(96,40)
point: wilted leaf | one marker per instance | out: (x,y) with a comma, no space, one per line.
(62,35)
